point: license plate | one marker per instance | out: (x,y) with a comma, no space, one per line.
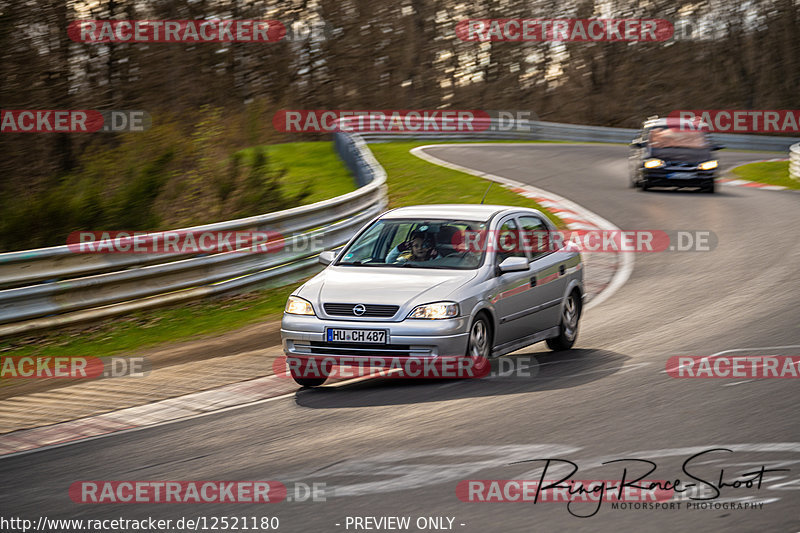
(374,336)
(682,175)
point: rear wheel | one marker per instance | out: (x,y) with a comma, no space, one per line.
(479,347)
(568,329)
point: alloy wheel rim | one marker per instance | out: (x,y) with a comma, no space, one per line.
(478,341)
(570,317)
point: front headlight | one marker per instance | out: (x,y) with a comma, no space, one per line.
(298,306)
(708,165)
(653,163)
(435,310)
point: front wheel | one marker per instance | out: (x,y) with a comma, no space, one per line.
(709,187)
(309,382)
(633,181)
(568,328)
(479,347)
(309,375)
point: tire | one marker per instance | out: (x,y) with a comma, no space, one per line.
(479,347)
(710,187)
(299,375)
(644,184)
(309,382)
(568,328)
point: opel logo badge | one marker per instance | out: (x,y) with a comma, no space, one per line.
(359,309)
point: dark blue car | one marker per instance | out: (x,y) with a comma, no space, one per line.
(670,153)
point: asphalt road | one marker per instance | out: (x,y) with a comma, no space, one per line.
(388,448)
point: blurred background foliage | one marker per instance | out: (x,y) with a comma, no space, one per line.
(210,101)
(172,175)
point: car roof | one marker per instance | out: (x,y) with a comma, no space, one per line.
(477,212)
(673,122)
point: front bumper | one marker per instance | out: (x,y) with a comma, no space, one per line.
(677,177)
(305,336)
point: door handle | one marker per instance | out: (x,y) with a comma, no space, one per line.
(533,281)
(562,269)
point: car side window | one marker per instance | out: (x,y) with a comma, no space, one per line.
(535,236)
(508,242)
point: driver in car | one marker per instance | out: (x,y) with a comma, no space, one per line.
(419,247)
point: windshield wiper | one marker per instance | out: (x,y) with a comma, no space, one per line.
(360,263)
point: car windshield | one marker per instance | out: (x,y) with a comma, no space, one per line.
(416,243)
(673,137)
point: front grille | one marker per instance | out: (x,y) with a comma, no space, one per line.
(371,310)
(681,164)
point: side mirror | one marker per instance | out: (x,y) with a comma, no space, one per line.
(326,258)
(718,147)
(513,264)
(636,143)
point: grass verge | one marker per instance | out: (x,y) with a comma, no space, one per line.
(148,328)
(314,166)
(771,172)
(411,181)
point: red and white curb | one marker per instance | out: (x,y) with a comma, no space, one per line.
(752,184)
(605,273)
(738,182)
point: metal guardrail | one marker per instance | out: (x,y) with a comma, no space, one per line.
(54,286)
(794,161)
(537,130)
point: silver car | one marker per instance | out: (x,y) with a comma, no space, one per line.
(436,281)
